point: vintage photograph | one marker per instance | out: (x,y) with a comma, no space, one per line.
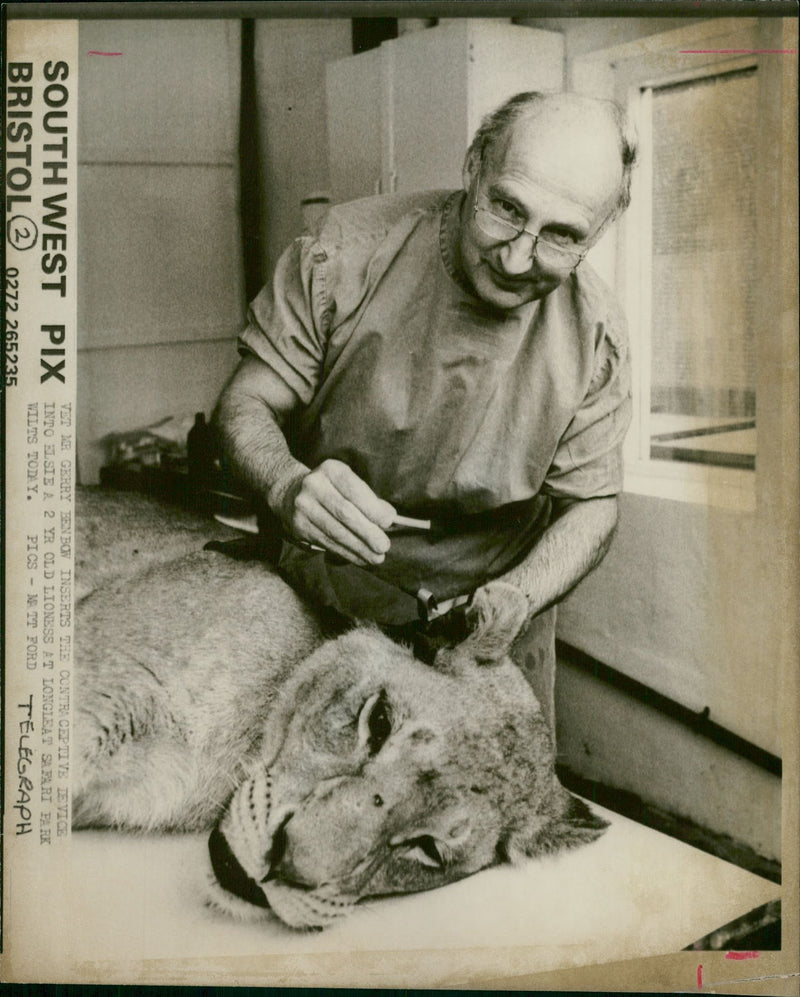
(401,544)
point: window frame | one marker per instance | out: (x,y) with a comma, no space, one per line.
(628,73)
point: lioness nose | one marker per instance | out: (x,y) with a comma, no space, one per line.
(279,859)
(332,835)
(278,847)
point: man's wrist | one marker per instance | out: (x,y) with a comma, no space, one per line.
(285,484)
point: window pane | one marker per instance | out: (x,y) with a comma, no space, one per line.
(703,375)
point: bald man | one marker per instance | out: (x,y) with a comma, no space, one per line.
(449,357)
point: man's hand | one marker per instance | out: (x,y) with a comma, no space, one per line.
(333,508)
(329,506)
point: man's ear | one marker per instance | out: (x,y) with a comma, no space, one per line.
(470,169)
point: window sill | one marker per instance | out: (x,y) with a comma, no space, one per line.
(719,487)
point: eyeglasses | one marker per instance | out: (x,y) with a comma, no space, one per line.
(548,254)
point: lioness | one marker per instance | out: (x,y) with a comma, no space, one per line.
(328,770)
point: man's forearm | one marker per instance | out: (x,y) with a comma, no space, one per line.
(568,550)
(256,448)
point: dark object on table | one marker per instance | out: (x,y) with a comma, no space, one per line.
(189,473)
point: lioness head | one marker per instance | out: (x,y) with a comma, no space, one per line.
(381,775)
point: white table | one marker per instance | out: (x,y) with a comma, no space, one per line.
(139,915)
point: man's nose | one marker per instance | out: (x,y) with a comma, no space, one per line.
(516,257)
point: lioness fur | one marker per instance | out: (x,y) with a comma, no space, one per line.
(328,770)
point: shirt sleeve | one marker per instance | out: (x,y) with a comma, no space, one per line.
(588,462)
(289,321)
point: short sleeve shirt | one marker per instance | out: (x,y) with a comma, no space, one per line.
(448,408)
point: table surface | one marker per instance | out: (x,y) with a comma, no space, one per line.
(633,893)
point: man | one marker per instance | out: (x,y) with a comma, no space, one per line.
(449,357)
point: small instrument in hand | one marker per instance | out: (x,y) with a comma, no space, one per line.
(411,524)
(247,524)
(399,521)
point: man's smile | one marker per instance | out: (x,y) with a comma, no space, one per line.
(499,274)
(513,283)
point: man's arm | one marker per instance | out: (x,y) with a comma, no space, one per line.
(329,506)
(575,542)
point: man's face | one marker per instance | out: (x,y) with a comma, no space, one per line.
(557,175)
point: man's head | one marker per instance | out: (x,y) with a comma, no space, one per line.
(545,175)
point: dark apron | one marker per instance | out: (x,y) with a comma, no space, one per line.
(341,593)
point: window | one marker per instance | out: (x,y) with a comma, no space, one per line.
(700,183)
(699,261)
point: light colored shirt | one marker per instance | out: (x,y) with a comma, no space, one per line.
(446,407)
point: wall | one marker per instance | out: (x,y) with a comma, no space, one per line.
(290,57)
(673,769)
(588,34)
(158,236)
(162,296)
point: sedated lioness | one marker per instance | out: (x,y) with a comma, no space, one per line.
(327,770)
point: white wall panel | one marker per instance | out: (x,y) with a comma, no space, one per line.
(428,107)
(290,60)
(671,767)
(507,59)
(159,254)
(160,296)
(171,96)
(681,603)
(355,111)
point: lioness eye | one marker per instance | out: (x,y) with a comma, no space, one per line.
(375,722)
(380,724)
(427,851)
(422,848)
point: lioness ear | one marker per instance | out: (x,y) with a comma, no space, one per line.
(575,825)
(497,614)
